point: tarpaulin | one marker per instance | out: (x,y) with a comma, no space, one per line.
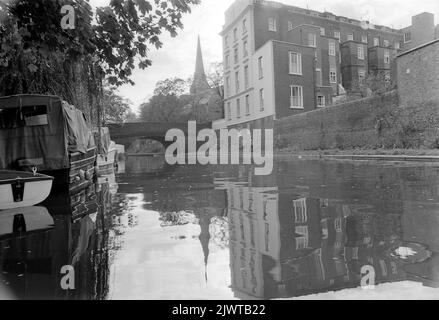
(79,137)
(40,130)
(105,140)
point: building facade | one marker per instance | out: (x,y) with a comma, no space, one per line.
(280,60)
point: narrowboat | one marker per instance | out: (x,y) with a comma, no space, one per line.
(47,134)
(23,189)
(107,151)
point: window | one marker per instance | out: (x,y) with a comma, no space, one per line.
(296,97)
(332,48)
(322,31)
(361,76)
(235,34)
(303,239)
(229,111)
(295,63)
(333,76)
(337,35)
(300,211)
(350,37)
(244,26)
(364,39)
(227,61)
(407,37)
(246,78)
(312,41)
(290,26)
(272,25)
(226,41)
(245,49)
(386,56)
(261,99)
(237,81)
(319,77)
(386,43)
(236,55)
(397,45)
(360,51)
(238,108)
(321,101)
(338,225)
(227,86)
(376,42)
(261,67)
(247,108)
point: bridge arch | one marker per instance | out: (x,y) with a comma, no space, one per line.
(126,133)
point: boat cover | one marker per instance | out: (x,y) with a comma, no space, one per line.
(104,145)
(41,130)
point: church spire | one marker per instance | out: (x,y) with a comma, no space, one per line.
(199,83)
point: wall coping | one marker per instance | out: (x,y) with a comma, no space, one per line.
(393,92)
(417,48)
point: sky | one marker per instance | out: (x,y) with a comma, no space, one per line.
(177,57)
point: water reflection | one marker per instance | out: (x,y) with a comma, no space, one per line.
(70,230)
(160,232)
(313,227)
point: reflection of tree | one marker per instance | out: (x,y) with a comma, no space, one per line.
(219,230)
(170,219)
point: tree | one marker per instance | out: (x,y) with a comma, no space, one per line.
(208,106)
(215,77)
(171,86)
(168,103)
(116,109)
(38,56)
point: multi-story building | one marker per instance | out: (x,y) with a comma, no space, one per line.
(280,60)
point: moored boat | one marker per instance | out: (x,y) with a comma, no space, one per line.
(25,220)
(47,133)
(23,189)
(107,152)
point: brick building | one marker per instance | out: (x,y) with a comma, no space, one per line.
(418,74)
(280,60)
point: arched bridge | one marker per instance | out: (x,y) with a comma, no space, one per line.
(127,133)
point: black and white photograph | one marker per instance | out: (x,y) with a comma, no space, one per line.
(243,151)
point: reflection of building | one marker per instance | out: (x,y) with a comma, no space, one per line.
(252,226)
(283,244)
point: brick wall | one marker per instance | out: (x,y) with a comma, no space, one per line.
(351,125)
(418,75)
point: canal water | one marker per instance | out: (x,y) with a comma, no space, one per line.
(312,229)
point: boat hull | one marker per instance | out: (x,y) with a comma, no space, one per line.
(24,190)
(79,176)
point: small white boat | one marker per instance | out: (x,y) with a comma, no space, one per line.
(22,220)
(20,189)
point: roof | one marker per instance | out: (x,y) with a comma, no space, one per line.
(418,47)
(26,100)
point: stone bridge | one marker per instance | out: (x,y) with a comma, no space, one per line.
(127,133)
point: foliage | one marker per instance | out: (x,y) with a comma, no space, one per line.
(167,104)
(171,101)
(38,56)
(410,126)
(171,86)
(375,83)
(116,109)
(215,78)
